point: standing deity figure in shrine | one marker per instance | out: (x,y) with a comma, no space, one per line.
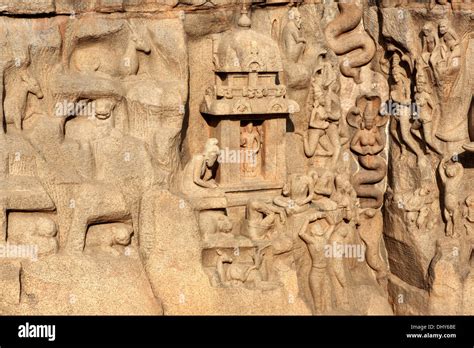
(251,143)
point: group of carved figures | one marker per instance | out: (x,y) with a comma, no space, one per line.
(94,198)
(85,196)
(325,131)
(326,205)
(420,118)
(320,208)
(437,65)
(416,115)
(323,207)
(355,200)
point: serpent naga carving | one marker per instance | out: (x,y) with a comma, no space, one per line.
(364,181)
(358,48)
(367,142)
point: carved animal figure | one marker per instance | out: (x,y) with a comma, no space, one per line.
(131,56)
(33,229)
(91,58)
(293,43)
(239,273)
(358,48)
(17,90)
(107,237)
(214,221)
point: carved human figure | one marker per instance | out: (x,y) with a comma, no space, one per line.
(261,218)
(418,208)
(448,35)
(293,41)
(371,232)
(251,142)
(368,142)
(400,96)
(337,266)
(327,77)
(430,44)
(440,6)
(44,236)
(449,62)
(316,239)
(198,177)
(429,40)
(325,112)
(317,120)
(323,183)
(425,112)
(468,230)
(468,214)
(451,173)
(346,198)
(296,195)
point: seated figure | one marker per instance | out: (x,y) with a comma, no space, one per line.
(198,179)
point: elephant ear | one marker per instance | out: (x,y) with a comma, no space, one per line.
(353,117)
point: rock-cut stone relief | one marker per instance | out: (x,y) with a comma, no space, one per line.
(357,48)
(368,142)
(227,157)
(325,135)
